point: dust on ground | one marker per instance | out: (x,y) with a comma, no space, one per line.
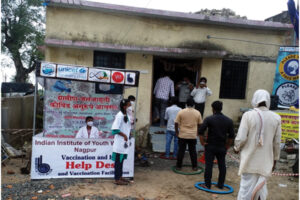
(155,182)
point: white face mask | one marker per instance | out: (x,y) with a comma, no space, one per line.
(90,123)
(132,103)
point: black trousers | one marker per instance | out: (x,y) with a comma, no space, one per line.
(181,151)
(212,151)
(118,167)
(200,107)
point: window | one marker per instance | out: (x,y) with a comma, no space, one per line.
(233,79)
(108,59)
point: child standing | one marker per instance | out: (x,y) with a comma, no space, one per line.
(121,131)
(170,115)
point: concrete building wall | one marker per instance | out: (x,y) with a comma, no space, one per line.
(87,25)
(70,56)
(260,76)
(140,62)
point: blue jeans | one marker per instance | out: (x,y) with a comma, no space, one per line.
(169,137)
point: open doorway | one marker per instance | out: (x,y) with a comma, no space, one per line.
(177,69)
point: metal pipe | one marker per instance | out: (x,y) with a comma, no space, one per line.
(34,106)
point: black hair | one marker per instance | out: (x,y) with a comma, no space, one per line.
(88,117)
(123,103)
(262,104)
(173,100)
(203,79)
(190,102)
(217,106)
(131,98)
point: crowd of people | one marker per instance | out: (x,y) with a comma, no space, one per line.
(164,90)
(257,140)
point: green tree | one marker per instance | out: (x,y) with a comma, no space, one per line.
(22,31)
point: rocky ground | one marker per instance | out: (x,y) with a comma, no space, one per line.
(157,182)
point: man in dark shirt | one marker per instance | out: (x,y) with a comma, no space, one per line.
(219,138)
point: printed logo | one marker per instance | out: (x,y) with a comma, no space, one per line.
(288,94)
(72,72)
(42,168)
(289,67)
(130,78)
(99,75)
(82,70)
(48,69)
(118,77)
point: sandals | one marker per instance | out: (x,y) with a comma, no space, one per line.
(120,182)
(204,186)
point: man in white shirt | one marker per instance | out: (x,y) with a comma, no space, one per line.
(258,140)
(164,88)
(200,93)
(170,115)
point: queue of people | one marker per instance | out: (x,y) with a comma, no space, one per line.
(164,90)
(257,140)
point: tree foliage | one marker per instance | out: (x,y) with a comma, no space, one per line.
(22,31)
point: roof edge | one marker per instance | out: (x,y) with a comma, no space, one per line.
(169,15)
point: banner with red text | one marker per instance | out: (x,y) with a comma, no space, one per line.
(289,126)
(67,103)
(76,158)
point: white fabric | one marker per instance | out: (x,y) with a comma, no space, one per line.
(164,87)
(252,187)
(125,128)
(200,94)
(256,158)
(170,115)
(260,96)
(83,133)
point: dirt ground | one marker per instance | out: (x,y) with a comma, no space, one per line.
(159,182)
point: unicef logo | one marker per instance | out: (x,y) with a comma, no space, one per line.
(289,67)
(288,94)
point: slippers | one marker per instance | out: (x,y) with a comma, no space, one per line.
(124,180)
(119,182)
(204,186)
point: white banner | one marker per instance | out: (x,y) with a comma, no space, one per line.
(76,158)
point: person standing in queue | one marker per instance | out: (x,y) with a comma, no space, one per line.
(88,131)
(219,139)
(121,130)
(184,87)
(200,93)
(187,123)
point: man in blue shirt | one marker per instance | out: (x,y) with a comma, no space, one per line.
(170,115)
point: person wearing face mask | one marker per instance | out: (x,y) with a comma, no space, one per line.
(130,110)
(184,87)
(121,130)
(200,92)
(88,131)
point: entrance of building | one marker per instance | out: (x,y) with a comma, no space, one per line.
(177,69)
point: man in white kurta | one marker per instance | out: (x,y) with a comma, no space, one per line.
(258,141)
